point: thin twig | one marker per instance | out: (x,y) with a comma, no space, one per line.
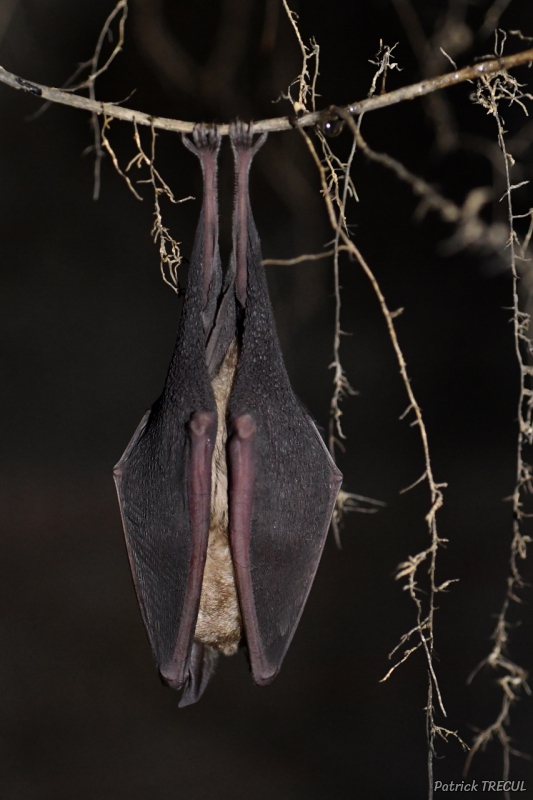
(170,256)
(489,94)
(340,188)
(169,249)
(384,61)
(333,173)
(341,383)
(303,87)
(425,620)
(288,262)
(106,144)
(122,6)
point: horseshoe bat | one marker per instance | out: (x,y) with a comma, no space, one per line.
(226,490)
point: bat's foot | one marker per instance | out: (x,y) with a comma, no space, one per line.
(242,137)
(205,136)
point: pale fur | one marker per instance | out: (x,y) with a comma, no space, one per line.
(219,622)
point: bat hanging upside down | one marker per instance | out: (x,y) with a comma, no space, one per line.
(226,489)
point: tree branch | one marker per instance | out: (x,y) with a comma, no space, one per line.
(111,110)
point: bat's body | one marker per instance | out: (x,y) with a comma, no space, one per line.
(226,489)
(219,622)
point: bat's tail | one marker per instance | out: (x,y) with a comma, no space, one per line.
(201,667)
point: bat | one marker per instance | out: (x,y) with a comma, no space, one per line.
(226,489)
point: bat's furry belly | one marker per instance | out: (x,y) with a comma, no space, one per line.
(219,623)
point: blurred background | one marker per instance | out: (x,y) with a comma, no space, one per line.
(87,329)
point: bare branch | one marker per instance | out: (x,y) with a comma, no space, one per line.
(276,124)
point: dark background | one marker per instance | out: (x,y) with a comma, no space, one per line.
(87,328)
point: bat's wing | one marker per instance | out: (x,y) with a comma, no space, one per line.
(164,477)
(283,482)
(164,489)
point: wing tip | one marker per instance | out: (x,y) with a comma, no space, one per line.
(169,680)
(265,679)
(263,671)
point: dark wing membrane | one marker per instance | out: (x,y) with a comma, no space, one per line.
(283,486)
(164,487)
